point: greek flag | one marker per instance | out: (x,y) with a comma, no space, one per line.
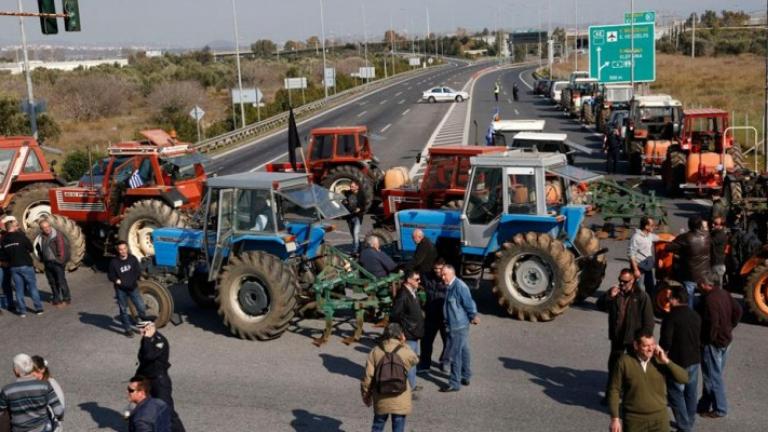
(135,180)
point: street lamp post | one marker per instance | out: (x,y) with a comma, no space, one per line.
(365,43)
(576,39)
(322,37)
(28,73)
(237,61)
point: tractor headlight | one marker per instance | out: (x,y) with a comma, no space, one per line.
(290,247)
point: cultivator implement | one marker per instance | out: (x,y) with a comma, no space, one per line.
(617,201)
(343,284)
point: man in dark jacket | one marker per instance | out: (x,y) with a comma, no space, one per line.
(629,310)
(424,256)
(681,339)
(718,241)
(612,150)
(53,250)
(693,251)
(374,260)
(17,250)
(434,320)
(354,201)
(406,311)
(719,315)
(124,272)
(150,414)
(154,353)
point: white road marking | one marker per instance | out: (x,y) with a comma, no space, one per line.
(362,114)
(269,162)
(402,101)
(405,112)
(363,103)
(509,100)
(517,112)
(398,93)
(410,87)
(383,102)
(520,76)
(384,129)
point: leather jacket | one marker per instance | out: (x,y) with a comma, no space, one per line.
(693,250)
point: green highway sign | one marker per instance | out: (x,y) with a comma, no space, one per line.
(610,53)
(640,17)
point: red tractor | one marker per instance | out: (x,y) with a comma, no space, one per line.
(336,156)
(705,154)
(146,184)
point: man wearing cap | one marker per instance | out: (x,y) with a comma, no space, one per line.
(17,250)
(154,353)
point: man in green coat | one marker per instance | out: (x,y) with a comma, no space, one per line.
(638,384)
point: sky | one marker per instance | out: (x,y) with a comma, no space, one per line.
(196,23)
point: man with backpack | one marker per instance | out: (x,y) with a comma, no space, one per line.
(385,383)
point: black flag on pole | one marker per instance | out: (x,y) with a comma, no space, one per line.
(294,141)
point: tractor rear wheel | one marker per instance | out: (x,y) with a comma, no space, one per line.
(202,291)
(736,155)
(256,295)
(756,293)
(536,277)
(75,240)
(141,219)
(157,300)
(30,203)
(636,158)
(674,172)
(591,270)
(339,178)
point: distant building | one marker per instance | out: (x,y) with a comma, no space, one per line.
(17,68)
(153,53)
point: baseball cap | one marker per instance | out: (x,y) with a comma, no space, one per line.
(144,324)
(7,218)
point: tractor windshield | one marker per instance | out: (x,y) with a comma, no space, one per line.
(183,167)
(304,203)
(6,157)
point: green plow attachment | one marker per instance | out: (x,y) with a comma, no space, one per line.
(615,200)
(343,284)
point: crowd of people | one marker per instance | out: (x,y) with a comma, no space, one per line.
(645,378)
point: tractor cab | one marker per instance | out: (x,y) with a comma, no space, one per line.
(703,130)
(506,211)
(543,142)
(505,130)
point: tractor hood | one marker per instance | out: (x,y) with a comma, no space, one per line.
(435,224)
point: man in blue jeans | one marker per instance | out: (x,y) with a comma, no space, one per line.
(459,311)
(719,315)
(124,272)
(17,250)
(681,339)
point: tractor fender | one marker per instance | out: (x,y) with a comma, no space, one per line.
(436,224)
(759,258)
(574,216)
(168,241)
(275,245)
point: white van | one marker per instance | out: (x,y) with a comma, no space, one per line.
(557,89)
(505,130)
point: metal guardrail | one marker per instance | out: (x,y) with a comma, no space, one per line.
(255,129)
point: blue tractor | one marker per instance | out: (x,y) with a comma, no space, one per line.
(258,247)
(516,219)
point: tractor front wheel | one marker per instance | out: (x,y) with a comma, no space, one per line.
(756,293)
(141,219)
(66,227)
(256,295)
(591,269)
(536,277)
(30,203)
(736,155)
(157,301)
(339,178)
(674,172)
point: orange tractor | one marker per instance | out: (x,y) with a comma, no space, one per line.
(157,182)
(705,155)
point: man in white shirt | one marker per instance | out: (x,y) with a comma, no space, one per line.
(641,255)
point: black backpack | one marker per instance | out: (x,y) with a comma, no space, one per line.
(391,375)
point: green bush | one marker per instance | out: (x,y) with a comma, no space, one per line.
(76,164)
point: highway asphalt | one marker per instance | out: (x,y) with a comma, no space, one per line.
(527,376)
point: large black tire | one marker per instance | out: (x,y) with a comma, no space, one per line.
(141,219)
(591,270)
(158,301)
(756,293)
(339,178)
(736,155)
(541,265)
(30,203)
(459,99)
(202,292)
(72,232)
(636,158)
(431,99)
(674,172)
(256,295)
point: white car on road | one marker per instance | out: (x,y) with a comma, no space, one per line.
(438,94)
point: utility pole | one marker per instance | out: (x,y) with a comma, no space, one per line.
(576,39)
(765,114)
(28,73)
(322,38)
(631,44)
(392,43)
(426,39)
(693,36)
(550,42)
(237,61)
(365,42)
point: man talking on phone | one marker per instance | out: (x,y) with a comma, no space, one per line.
(638,387)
